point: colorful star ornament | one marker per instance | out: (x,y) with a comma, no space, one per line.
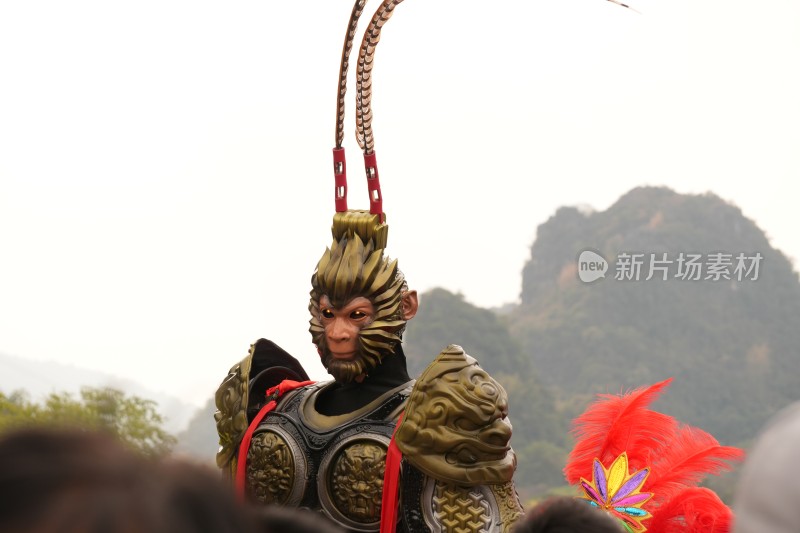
(619,492)
(654,466)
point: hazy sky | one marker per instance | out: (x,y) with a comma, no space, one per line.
(165,172)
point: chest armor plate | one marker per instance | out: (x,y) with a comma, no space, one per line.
(335,464)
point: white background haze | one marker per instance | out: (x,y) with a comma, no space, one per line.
(165,166)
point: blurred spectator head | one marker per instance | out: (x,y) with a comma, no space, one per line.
(768,492)
(274,519)
(567,515)
(71,481)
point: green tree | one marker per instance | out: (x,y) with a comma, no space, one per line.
(133,420)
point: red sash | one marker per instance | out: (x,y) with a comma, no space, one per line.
(274,393)
(391,483)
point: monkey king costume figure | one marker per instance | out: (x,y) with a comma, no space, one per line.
(373,449)
(327,446)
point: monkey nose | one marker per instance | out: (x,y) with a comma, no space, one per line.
(339,337)
(339,333)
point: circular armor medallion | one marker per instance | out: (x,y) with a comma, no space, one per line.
(350,481)
(276,468)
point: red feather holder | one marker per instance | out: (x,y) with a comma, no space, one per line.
(642,466)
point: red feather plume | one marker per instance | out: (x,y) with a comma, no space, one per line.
(691,455)
(677,456)
(615,424)
(693,510)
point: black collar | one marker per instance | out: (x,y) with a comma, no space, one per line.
(341,398)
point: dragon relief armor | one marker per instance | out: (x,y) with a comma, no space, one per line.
(457,464)
(457,461)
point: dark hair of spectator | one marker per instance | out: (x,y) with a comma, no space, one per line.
(71,481)
(276,519)
(567,515)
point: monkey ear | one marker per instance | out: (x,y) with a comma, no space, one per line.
(410,303)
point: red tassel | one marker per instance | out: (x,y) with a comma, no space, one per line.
(391,484)
(241,468)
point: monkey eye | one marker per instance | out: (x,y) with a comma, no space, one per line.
(358,315)
(327,313)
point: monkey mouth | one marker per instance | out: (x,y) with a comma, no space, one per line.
(343,356)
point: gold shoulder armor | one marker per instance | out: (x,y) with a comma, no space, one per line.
(241,394)
(455,427)
(231,416)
